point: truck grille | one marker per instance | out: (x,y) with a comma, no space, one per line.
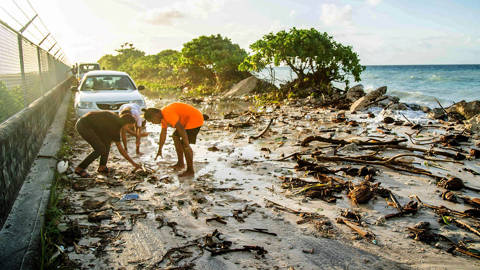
(109,106)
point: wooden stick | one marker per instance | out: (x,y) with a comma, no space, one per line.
(464,225)
(264,131)
(413,149)
(395,202)
(356,228)
(445,111)
(309,139)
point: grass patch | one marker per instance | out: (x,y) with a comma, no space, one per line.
(51,236)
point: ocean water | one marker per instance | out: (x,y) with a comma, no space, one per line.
(419,84)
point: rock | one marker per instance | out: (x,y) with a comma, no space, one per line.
(377,93)
(467,109)
(426,109)
(93,204)
(388,120)
(473,124)
(414,107)
(388,100)
(243,87)
(365,102)
(455,116)
(355,92)
(398,107)
(422,225)
(437,113)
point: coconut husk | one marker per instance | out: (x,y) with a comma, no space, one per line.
(452,183)
(361,193)
(449,196)
(475,153)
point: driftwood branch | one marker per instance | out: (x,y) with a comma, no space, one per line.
(310,139)
(264,131)
(356,228)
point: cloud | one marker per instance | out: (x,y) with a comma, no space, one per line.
(163,16)
(293,13)
(332,14)
(374,2)
(182,10)
(202,8)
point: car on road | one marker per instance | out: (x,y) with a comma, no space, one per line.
(80,69)
(106,90)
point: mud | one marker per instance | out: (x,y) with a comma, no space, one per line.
(237,190)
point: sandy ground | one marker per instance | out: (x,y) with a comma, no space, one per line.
(236,179)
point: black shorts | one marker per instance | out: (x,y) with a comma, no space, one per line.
(191,133)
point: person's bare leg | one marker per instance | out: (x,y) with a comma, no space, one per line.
(189,157)
(137,140)
(179,149)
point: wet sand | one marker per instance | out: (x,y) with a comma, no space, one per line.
(235,179)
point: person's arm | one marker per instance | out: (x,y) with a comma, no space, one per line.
(129,131)
(126,156)
(161,141)
(124,138)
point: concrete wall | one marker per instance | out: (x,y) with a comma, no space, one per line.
(21,137)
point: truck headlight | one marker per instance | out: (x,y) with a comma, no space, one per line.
(85,105)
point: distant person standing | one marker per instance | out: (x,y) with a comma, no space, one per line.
(187,121)
(100,129)
(134,110)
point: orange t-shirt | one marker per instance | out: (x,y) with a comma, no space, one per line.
(188,116)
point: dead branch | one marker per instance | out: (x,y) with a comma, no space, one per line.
(264,131)
(356,228)
(387,163)
(310,139)
(258,230)
(413,149)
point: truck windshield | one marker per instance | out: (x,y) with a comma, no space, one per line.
(84,68)
(107,82)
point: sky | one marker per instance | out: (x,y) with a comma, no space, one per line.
(382,32)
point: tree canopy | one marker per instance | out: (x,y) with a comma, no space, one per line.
(126,57)
(315,57)
(212,58)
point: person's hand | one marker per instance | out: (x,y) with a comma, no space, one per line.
(159,153)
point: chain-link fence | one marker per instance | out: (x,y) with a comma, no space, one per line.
(33,82)
(27,71)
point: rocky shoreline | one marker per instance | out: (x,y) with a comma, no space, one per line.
(286,186)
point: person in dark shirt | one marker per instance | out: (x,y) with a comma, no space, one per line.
(100,129)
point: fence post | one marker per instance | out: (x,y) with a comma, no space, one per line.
(22,69)
(40,70)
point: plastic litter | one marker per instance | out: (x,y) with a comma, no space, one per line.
(129,196)
(62,166)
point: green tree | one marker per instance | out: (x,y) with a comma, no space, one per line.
(160,66)
(126,57)
(211,60)
(314,57)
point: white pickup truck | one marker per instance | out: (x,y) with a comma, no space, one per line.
(80,69)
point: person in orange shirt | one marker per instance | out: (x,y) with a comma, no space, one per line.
(187,122)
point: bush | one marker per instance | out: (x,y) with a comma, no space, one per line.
(211,61)
(11,101)
(315,57)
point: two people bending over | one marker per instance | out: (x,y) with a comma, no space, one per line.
(101,128)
